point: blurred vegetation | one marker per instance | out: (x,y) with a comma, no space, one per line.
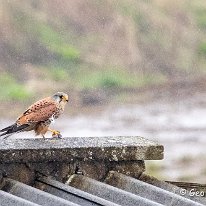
(12,89)
(155,168)
(113,78)
(98,44)
(57,74)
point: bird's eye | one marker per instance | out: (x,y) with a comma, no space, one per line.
(61,96)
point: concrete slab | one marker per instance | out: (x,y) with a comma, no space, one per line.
(119,148)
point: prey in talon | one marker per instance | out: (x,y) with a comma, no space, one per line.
(39,116)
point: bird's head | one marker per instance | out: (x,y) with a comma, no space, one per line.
(61,97)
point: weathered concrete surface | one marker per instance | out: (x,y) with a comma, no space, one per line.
(86,148)
(94,157)
(98,170)
(27,172)
(130,168)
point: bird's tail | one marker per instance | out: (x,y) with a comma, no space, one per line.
(14,128)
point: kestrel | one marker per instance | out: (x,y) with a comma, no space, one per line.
(39,116)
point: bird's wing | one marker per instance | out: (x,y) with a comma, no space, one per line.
(39,111)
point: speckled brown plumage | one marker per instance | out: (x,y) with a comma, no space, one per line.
(39,116)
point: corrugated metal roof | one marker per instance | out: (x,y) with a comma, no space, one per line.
(9,199)
(170,187)
(146,190)
(72,194)
(33,195)
(118,189)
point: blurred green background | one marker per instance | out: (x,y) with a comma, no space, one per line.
(47,46)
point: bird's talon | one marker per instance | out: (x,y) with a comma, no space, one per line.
(56,134)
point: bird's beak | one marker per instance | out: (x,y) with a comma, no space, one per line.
(66,98)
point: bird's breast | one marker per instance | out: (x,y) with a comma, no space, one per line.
(58,112)
(51,119)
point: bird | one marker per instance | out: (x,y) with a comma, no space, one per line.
(39,116)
